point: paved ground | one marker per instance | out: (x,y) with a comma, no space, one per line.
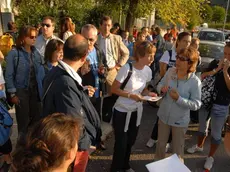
(100,161)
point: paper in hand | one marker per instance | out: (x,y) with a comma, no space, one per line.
(170,164)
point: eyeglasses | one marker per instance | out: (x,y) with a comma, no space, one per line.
(33,37)
(182,58)
(90,39)
(44,24)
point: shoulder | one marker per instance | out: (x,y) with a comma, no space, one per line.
(116,37)
(147,69)
(195,80)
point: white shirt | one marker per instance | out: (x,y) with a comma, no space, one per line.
(165,58)
(135,85)
(66,35)
(106,46)
(72,72)
(41,43)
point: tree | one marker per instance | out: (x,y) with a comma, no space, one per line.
(207,13)
(170,11)
(218,14)
(32,11)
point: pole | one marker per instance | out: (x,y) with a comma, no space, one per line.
(226,15)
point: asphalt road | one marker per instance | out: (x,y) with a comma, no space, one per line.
(100,161)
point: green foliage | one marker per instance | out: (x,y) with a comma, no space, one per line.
(32,11)
(195,20)
(179,11)
(218,14)
(207,13)
(219,25)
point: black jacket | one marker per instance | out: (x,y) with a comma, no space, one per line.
(65,95)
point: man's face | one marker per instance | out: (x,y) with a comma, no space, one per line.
(106,26)
(125,35)
(91,36)
(185,42)
(47,28)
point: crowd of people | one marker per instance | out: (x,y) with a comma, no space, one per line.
(57,85)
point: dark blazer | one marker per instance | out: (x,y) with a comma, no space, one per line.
(65,95)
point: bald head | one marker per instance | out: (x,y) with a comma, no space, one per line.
(75,47)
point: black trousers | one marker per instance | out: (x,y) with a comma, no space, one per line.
(154,134)
(123,140)
(6,148)
(29,109)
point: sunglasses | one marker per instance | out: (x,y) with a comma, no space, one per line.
(44,24)
(182,58)
(33,37)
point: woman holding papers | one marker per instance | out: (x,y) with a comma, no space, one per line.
(182,92)
(128,107)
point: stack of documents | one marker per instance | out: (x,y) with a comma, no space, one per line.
(170,164)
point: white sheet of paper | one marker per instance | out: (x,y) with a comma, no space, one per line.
(152,99)
(170,164)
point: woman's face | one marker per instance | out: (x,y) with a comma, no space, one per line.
(182,62)
(58,54)
(30,39)
(196,45)
(184,42)
(148,59)
(141,38)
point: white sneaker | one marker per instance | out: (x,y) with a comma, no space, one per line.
(167,147)
(208,163)
(151,143)
(194,149)
(129,170)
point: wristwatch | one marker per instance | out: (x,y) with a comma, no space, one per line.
(12,95)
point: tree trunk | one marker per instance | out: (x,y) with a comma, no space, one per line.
(130,17)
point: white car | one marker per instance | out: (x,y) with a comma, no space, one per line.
(212,35)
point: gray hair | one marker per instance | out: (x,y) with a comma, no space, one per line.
(87,27)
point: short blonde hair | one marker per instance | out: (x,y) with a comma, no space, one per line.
(145,47)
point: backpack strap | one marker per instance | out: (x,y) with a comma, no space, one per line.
(128,76)
(170,55)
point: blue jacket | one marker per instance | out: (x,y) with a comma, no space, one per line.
(177,113)
(22,77)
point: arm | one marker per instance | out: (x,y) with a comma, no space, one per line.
(212,69)
(1,57)
(164,63)
(122,74)
(10,73)
(194,102)
(163,69)
(226,74)
(124,53)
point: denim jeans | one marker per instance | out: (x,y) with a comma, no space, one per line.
(218,116)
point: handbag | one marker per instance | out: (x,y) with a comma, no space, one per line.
(6,122)
(108,102)
(208,92)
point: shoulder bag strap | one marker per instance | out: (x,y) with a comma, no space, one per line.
(128,76)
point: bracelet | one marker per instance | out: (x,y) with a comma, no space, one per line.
(129,94)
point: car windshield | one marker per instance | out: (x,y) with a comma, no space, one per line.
(211,36)
(211,51)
